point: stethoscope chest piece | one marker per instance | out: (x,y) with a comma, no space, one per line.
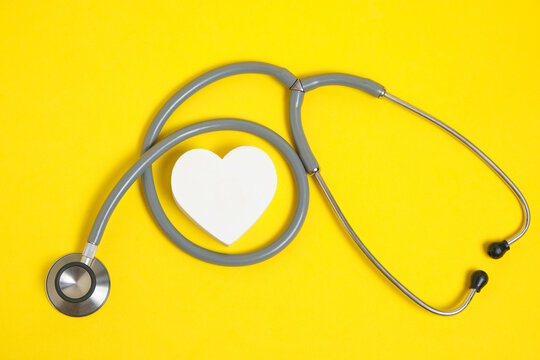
(76,288)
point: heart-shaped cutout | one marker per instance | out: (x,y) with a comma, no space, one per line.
(225,197)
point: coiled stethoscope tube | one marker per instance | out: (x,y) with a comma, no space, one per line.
(72,281)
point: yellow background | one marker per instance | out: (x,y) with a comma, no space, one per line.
(81,81)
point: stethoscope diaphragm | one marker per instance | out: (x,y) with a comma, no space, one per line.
(76,288)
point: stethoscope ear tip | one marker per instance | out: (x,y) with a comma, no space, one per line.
(479,279)
(77,288)
(497,249)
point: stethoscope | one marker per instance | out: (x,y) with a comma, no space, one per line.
(78,284)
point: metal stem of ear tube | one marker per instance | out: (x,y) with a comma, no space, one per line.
(479,278)
(496,249)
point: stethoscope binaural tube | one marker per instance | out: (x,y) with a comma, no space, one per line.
(496,250)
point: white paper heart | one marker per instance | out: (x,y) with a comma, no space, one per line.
(225,197)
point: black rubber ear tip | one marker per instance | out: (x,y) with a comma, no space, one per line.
(497,249)
(479,279)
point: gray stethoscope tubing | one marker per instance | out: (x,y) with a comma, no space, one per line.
(160,148)
(287,79)
(87,278)
(149,145)
(312,167)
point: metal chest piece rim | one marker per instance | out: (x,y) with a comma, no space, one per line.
(75,288)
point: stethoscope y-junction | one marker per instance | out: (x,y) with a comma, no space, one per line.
(78,284)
